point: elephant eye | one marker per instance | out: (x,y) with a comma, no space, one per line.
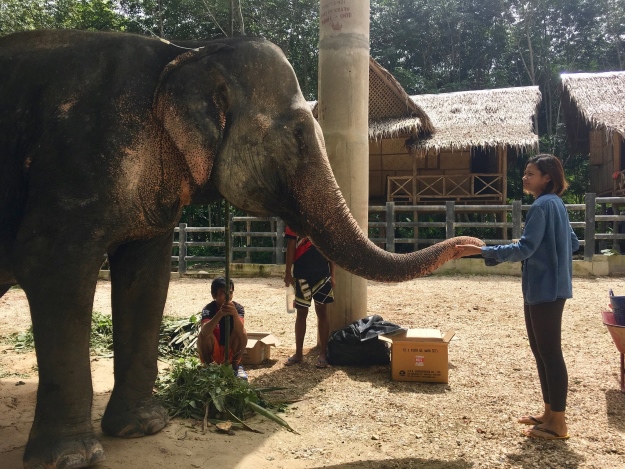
(298,133)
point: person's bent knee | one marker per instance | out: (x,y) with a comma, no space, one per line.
(205,347)
(237,347)
(239,340)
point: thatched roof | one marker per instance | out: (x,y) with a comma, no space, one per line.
(484,118)
(595,99)
(391,111)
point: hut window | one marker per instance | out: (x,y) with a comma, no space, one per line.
(480,160)
(483,161)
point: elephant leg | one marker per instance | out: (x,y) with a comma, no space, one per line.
(4,289)
(59,278)
(140,273)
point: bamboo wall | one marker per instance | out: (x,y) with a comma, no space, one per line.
(604,161)
(389,157)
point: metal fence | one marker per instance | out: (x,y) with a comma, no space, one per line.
(597,222)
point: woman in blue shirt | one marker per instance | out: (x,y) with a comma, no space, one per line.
(546,250)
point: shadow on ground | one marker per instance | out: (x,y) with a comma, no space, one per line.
(615,403)
(404,463)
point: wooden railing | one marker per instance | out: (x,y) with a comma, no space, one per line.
(409,189)
(602,230)
(182,243)
(596,227)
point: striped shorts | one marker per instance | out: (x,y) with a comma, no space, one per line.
(320,291)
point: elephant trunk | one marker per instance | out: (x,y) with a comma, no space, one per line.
(328,222)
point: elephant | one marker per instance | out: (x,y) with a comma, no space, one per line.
(104,138)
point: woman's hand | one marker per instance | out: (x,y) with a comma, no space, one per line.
(463,250)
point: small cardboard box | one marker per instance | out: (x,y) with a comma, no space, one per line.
(258,347)
(419,355)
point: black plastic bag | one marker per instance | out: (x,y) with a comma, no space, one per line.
(357,344)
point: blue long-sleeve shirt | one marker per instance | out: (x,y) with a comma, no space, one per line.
(546,247)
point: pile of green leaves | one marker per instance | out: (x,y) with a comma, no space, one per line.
(188,389)
(23,341)
(101,335)
(211,393)
(178,337)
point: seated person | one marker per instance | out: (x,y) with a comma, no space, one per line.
(211,341)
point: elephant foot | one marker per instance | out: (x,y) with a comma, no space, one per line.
(132,420)
(56,452)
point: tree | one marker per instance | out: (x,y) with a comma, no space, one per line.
(435,46)
(20,15)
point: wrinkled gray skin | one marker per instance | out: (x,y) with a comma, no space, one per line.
(103,139)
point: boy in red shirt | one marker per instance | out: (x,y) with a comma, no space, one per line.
(211,340)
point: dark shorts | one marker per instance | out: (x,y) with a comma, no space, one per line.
(317,289)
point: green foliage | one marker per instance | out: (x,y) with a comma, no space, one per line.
(100,15)
(9,374)
(23,341)
(189,387)
(192,390)
(449,45)
(101,335)
(291,24)
(178,337)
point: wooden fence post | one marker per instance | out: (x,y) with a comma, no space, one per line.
(228,233)
(589,232)
(415,234)
(517,209)
(182,249)
(390,226)
(280,241)
(248,242)
(450,218)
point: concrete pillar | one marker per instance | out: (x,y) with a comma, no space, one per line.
(343,116)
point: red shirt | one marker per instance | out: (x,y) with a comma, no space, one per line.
(308,262)
(301,244)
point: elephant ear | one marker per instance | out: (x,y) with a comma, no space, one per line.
(191,101)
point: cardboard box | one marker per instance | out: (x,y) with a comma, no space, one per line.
(419,355)
(258,347)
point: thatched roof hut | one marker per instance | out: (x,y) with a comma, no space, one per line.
(593,101)
(391,111)
(594,111)
(484,118)
(450,146)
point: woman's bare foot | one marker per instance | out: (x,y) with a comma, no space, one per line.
(545,433)
(531,420)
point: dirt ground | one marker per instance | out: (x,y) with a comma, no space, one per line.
(357,417)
